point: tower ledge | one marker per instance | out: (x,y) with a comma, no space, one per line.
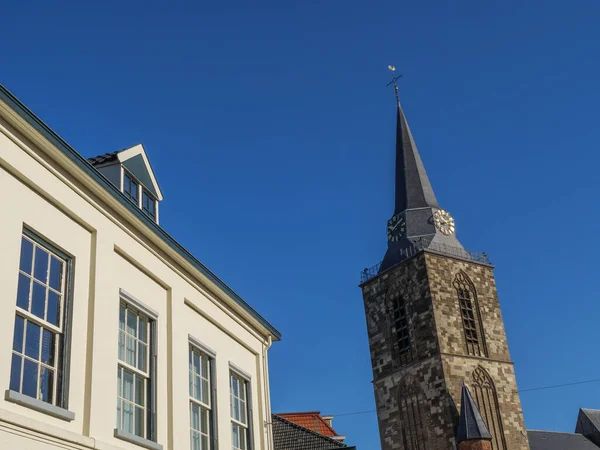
(440,249)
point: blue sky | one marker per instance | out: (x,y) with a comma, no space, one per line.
(271,131)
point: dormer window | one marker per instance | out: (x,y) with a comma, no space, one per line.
(130,171)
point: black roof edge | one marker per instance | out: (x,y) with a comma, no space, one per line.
(28,116)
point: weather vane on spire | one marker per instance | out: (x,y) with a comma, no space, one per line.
(394,80)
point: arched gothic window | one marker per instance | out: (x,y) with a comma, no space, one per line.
(471,318)
(486,398)
(413,425)
(400,326)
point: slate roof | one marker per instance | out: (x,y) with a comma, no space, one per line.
(553,440)
(311,420)
(471,425)
(291,436)
(101,159)
(588,424)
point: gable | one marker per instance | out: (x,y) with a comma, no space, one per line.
(138,169)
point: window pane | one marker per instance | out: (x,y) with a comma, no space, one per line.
(205,397)
(243,412)
(40,271)
(143,324)
(196,363)
(130,351)
(122,318)
(121,346)
(235,435)
(236,409)
(195,417)
(139,390)
(32,345)
(46,384)
(235,386)
(204,442)
(15,373)
(142,356)
(205,367)
(119,418)
(56,268)
(30,378)
(127,385)
(26,255)
(48,347)
(195,440)
(119,382)
(139,422)
(18,334)
(196,394)
(38,300)
(53,314)
(127,417)
(204,422)
(23,292)
(131,323)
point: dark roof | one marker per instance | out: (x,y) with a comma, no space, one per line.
(470,425)
(101,159)
(37,124)
(413,189)
(553,440)
(290,436)
(588,424)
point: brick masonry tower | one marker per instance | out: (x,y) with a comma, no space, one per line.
(434,323)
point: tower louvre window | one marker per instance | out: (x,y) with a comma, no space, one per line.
(401,330)
(486,398)
(471,319)
(412,421)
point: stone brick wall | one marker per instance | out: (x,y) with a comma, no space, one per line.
(440,361)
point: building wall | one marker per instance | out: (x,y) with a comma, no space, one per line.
(113,251)
(441,362)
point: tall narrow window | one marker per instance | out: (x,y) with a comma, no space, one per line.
(487,401)
(39,359)
(130,187)
(135,392)
(413,427)
(239,412)
(200,399)
(401,330)
(471,318)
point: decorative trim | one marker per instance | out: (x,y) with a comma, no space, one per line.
(138,304)
(124,435)
(241,372)
(203,348)
(38,405)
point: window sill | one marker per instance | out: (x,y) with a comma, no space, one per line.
(124,435)
(38,405)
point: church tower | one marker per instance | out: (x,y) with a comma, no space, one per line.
(434,325)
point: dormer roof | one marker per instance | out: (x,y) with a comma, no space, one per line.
(135,160)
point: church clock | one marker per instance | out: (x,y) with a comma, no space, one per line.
(444,222)
(396,228)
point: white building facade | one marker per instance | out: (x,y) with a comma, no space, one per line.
(113,336)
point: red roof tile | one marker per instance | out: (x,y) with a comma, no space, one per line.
(311,420)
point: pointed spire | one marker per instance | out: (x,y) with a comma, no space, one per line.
(471,425)
(413,189)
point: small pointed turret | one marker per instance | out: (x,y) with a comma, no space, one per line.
(413,189)
(471,427)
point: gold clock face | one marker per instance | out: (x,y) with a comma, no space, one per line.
(396,227)
(444,222)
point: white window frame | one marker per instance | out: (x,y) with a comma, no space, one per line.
(245,428)
(148,375)
(61,352)
(203,406)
